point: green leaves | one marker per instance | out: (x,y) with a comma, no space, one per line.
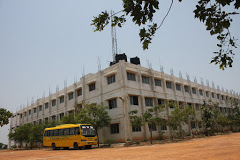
(119,21)
(94,114)
(146,35)
(141,11)
(218,22)
(101,21)
(211,13)
(68,119)
(4,116)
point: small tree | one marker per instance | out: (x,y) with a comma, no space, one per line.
(223,122)
(149,117)
(36,134)
(4,116)
(94,114)
(21,134)
(208,119)
(188,115)
(174,122)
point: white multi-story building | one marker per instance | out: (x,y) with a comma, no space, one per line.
(123,87)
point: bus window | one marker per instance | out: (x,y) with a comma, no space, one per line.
(66,131)
(45,134)
(55,132)
(88,131)
(61,132)
(51,133)
(77,131)
(72,131)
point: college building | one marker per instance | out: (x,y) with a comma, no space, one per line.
(124,87)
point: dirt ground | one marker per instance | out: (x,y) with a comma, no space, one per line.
(218,147)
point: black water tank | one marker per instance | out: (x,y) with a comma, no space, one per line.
(121,57)
(112,63)
(135,60)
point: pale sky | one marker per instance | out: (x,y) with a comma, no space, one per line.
(43,43)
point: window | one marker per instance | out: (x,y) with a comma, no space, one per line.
(79,92)
(181,105)
(169,85)
(207,94)
(134,100)
(25,114)
(55,132)
(53,102)
(51,133)
(212,95)
(160,101)
(164,127)
(46,133)
(61,116)
(112,103)
(189,105)
(149,102)
(145,80)
(178,87)
(200,124)
(111,79)
(91,87)
(186,89)
(114,128)
(70,96)
(46,119)
(218,96)
(46,105)
(197,106)
(136,128)
(152,126)
(221,109)
(171,105)
(158,82)
(72,131)
(193,124)
(201,92)
(66,131)
(29,112)
(53,118)
(61,132)
(222,97)
(40,108)
(35,110)
(61,99)
(194,91)
(131,76)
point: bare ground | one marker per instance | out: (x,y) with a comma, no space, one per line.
(218,147)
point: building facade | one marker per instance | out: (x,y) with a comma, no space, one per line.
(124,87)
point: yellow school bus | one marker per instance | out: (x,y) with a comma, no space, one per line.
(70,135)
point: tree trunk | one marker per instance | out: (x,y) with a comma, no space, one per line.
(217,128)
(151,134)
(190,129)
(172,133)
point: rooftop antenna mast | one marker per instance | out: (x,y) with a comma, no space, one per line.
(114,37)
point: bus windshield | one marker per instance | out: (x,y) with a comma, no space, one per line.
(88,131)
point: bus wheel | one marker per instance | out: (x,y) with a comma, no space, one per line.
(75,145)
(88,147)
(53,146)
